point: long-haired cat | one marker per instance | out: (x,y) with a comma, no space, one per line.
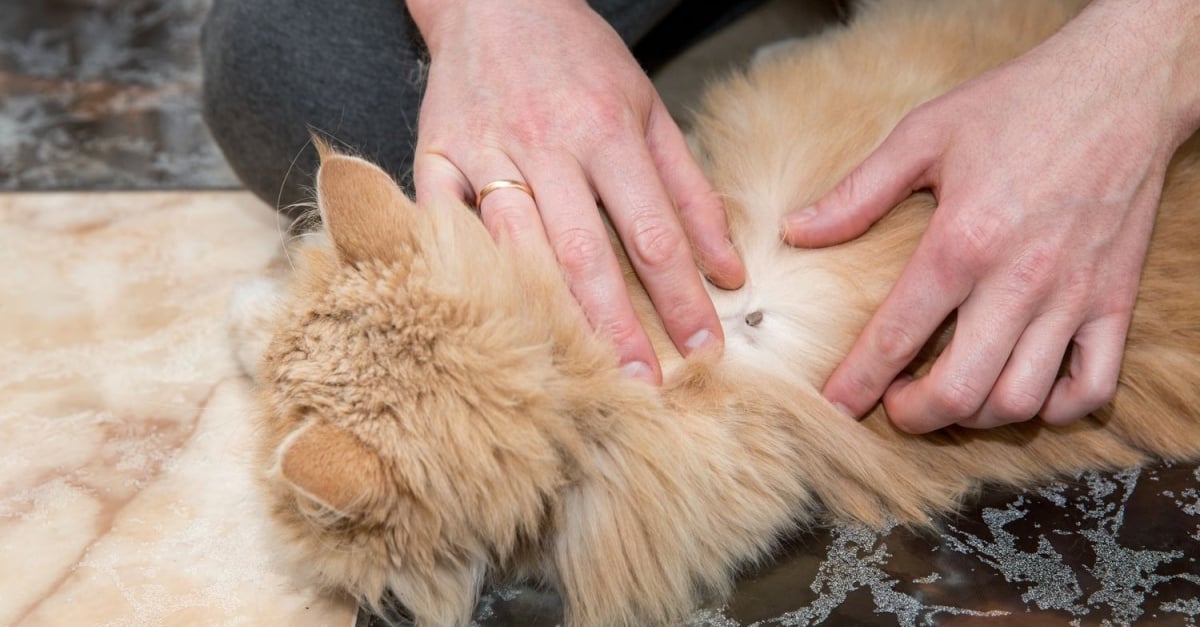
(435,412)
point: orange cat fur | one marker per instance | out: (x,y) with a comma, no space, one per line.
(435,411)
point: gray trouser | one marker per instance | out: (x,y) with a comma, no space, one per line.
(274,69)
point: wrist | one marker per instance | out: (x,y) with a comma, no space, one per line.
(433,18)
(436,19)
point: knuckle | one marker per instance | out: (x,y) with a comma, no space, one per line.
(506,220)
(705,207)
(857,385)
(607,121)
(1015,406)
(579,250)
(623,331)
(1034,267)
(907,416)
(975,237)
(1096,393)
(655,242)
(896,344)
(1079,287)
(609,112)
(532,123)
(531,132)
(681,311)
(957,399)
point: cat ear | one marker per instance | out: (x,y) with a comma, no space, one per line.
(362,208)
(330,466)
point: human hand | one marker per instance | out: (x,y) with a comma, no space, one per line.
(548,94)
(1048,172)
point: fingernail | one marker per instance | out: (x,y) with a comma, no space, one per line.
(804,215)
(701,339)
(845,410)
(637,370)
(796,219)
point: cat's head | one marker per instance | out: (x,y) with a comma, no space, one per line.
(403,399)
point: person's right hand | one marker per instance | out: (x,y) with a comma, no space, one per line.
(1047,172)
(548,94)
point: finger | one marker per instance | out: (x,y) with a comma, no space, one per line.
(924,295)
(1025,384)
(645,220)
(435,176)
(582,246)
(1092,373)
(700,208)
(898,167)
(510,214)
(987,328)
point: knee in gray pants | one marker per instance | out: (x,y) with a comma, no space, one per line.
(274,69)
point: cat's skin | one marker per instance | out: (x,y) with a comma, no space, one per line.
(435,412)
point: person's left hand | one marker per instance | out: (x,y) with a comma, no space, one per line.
(1048,172)
(547,93)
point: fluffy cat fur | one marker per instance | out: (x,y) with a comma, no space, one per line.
(435,412)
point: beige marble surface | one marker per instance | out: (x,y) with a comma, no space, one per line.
(126,491)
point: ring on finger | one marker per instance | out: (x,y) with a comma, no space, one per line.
(501,184)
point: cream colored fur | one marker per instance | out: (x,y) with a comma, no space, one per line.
(436,414)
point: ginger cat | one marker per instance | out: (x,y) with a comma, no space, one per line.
(435,412)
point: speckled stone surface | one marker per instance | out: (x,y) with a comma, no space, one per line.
(103,94)
(1101,549)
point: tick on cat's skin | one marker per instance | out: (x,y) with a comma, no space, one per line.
(754,318)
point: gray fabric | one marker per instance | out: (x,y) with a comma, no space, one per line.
(273,69)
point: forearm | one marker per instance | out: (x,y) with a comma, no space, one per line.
(1162,40)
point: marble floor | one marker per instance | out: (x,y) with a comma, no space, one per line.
(103,95)
(126,495)
(126,490)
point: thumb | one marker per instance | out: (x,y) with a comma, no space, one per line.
(898,167)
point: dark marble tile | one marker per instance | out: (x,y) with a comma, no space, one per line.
(103,94)
(1101,549)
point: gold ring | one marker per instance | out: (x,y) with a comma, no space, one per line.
(500,184)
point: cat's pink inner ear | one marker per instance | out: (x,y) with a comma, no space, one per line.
(331,466)
(362,208)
